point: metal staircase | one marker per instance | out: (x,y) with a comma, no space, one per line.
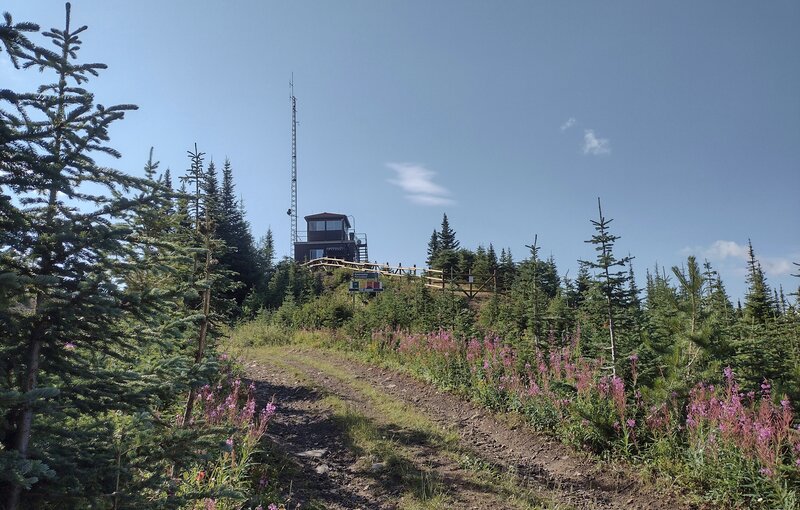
(361,248)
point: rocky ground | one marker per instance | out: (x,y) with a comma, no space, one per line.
(352,435)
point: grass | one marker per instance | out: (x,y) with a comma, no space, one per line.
(422,488)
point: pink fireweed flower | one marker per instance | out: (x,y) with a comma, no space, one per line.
(728,373)
(765,388)
(631,423)
(618,394)
(69,346)
(268,411)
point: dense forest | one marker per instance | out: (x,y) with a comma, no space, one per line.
(118,292)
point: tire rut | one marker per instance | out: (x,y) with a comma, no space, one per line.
(461,488)
(316,461)
(541,463)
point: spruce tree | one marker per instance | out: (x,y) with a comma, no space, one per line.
(692,284)
(491,255)
(233,229)
(529,278)
(611,282)
(447,236)
(481,268)
(758,304)
(433,249)
(506,269)
(68,347)
(207,278)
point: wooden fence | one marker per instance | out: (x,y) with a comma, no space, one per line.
(471,286)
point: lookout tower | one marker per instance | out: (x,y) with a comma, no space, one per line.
(330,235)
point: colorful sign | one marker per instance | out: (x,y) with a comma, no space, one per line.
(366,282)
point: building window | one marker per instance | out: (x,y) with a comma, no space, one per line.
(317,253)
(322,225)
(316,225)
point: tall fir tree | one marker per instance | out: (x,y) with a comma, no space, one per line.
(611,281)
(433,249)
(233,229)
(447,236)
(758,306)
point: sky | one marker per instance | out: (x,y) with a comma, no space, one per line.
(511,117)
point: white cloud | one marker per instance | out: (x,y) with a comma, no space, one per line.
(417,181)
(722,250)
(568,124)
(777,266)
(594,145)
(430,200)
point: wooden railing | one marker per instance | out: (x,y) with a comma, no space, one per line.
(470,286)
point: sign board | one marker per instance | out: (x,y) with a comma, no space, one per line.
(366,282)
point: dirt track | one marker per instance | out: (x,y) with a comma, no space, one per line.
(340,420)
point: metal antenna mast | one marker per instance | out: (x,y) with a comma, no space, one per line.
(293,209)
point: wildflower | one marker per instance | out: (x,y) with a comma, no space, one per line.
(224,357)
(229,443)
(69,346)
(200,475)
(272,506)
(728,372)
(631,423)
(633,358)
(618,394)
(268,411)
(765,471)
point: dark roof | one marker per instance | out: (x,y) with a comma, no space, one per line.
(328,216)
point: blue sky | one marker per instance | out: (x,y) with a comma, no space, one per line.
(511,117)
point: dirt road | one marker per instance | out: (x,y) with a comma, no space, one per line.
(360,436)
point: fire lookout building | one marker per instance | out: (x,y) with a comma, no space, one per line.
(330,235)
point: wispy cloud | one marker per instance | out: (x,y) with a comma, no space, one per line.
(594,145)
(722,250)
(417,182)
(568,124)
(430,200)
